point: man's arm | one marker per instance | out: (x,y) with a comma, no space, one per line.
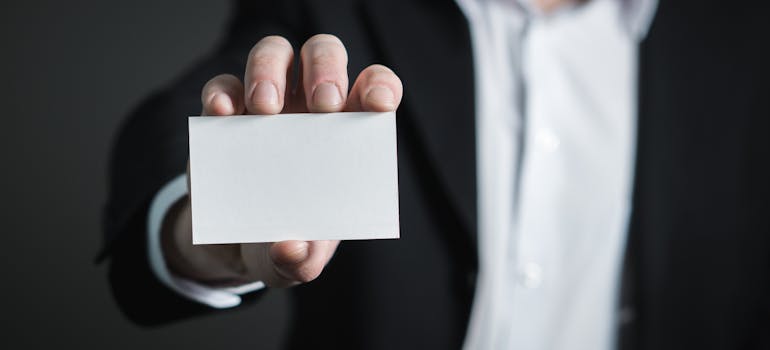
(169,203)
(266,89)
(151,149)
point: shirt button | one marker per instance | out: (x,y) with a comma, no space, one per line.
(530,275)
(547,140)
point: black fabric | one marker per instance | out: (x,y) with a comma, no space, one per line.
(698,263)
(700,232)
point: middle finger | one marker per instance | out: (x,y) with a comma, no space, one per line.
(324,73)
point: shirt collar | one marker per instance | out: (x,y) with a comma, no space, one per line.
(637,14)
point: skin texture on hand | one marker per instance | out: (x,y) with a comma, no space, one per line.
(322,87)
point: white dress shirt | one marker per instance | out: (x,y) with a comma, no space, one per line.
(556,118)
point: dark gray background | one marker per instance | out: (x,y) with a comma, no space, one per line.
(71,70)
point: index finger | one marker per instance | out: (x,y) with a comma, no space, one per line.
(265,78)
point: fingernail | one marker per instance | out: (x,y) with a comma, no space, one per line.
(265,93)
(326,95)
(381,96)
(220,104)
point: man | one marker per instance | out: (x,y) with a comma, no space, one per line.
(572,175)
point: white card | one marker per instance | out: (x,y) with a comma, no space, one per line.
(293,177)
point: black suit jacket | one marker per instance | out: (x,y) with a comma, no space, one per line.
(697,271)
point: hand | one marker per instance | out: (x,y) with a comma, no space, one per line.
(323,87)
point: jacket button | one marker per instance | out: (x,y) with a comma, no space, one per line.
(626,315)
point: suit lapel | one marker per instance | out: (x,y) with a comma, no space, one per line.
(428,45)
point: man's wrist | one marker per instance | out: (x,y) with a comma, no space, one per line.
(170,195)
(172,228)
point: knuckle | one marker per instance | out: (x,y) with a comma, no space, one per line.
(260,61)
(329,39)
(324,49)
(224,82)
(270,51)
(379,69)
(379,74)
(228,79)
(274,41)
(323,57)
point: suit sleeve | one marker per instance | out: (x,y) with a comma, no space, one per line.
(152,148)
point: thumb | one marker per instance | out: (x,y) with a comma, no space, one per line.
(287,263)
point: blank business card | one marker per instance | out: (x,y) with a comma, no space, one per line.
(293,177)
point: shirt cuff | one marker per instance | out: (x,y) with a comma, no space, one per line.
(216,297)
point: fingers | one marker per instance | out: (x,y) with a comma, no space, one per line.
(287,263)
(324,73)
(266,74)
(222,95)
(377,89)
(323,88)
(323,80)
